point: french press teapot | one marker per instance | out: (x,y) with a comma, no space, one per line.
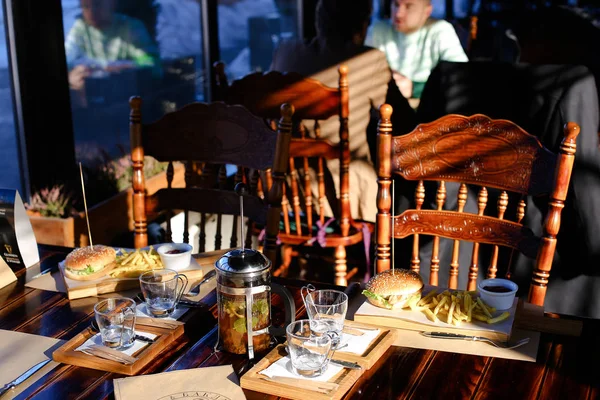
(244,298)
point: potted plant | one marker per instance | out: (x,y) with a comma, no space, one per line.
(57,213)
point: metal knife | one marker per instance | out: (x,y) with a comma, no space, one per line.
(192,304)
(23,377)
(443,335)
(44,272)
(345,364)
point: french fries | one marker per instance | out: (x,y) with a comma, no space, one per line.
(134,263)
(455,307)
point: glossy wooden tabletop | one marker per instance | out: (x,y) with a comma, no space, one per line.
(566,367)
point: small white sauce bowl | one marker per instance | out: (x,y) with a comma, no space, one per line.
(175,261)
(498,300)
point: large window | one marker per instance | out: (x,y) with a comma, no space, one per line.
(119,48)
(11,174)
(249,31)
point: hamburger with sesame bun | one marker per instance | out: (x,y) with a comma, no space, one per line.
(90,262)
(392,289)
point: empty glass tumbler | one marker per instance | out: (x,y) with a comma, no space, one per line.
(116,320)
(310,347)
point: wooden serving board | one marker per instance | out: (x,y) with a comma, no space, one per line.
(417,321)
(254,380)
(78,289)
(66,353)
(376,349)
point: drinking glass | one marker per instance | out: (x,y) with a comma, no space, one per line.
(310,347)
(328,306)
(162,289)
(116,320)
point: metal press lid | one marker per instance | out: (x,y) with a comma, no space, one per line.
(246,261)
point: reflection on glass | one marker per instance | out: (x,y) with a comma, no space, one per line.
(250,30)
(9,154)
(116,49)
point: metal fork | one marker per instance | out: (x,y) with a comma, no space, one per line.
(195,291)
(496,343)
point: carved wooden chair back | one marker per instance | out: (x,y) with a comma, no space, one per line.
(206,138)
(478,151)
(313,103)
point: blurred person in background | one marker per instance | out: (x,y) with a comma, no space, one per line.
(414,43)
(341,29)
(106,41)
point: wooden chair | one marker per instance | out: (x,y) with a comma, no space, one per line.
(312,101)
(478,151)
(215,134)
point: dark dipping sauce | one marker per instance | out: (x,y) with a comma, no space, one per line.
(175,251)
(497,289)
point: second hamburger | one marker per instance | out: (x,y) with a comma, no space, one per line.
(393,289)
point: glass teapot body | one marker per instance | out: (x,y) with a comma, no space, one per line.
(244,301)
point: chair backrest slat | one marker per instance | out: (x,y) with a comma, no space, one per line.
(502,205)
(285,208)
(295,197)
(474,267)
(415,262)
(453,278)
(520,215)
(435,260)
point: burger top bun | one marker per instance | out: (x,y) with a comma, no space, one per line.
(393,288)
(89,263)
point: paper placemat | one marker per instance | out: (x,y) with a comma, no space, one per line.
(21,351)
(283,368)
(52,282)
(218,383)
(137,344)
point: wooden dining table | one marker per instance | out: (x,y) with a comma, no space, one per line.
(565,368)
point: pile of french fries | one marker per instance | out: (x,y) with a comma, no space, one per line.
(455,307)
(134,263)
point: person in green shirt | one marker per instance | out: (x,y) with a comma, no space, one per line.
(414,43)
(103,40)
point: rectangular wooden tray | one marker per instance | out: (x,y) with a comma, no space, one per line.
(79,289)
(406,319)
(66,353)
(253,380)
(375,351)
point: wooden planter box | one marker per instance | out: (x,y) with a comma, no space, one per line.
(108,219)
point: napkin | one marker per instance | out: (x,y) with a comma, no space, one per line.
(283,368)
(198,383)
(142,311)
(358,344)
(137,344)
(21,351)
